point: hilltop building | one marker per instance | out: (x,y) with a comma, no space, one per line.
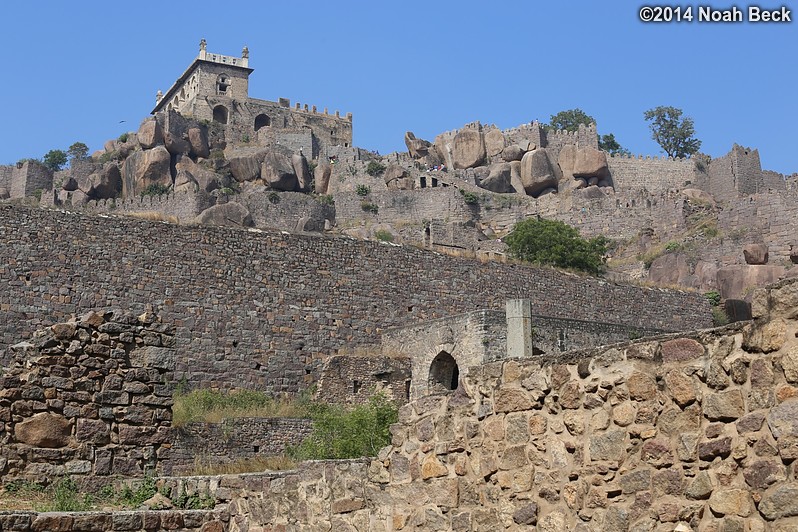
(215,88)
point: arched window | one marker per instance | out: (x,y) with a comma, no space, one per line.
(262,121)
(443,372)
(220,114)
(222,84)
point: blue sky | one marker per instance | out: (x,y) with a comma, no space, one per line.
(74,70)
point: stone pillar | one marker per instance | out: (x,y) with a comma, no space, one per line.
(519,328)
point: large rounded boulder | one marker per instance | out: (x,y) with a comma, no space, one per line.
(278,172)
(537,173)
(468,149)
(590,162)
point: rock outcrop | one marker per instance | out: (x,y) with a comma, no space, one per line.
(537,173)
(145,168)
(278,172)
(230,214)
(418,148)
(468,149)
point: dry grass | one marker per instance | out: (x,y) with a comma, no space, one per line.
(206,466)
(213,406)
(154,216)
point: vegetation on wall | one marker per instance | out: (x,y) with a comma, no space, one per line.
(571,119)
(673,133)
(554,243)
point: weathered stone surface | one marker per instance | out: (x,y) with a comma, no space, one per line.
(783,419)
(724,406)
(94,431)
(44,430)
(302,172)
(145,168)
(671,269)
(468,149)
(765,337)
(154,357)
(526,514)
(322,175)
(150,134)
(198,139)
(499,179)
(731,502)
(756,253)
(590,162)
(278,172)
(734,282)
(641,387)
(397,178)
(709,450)
(176,145)
(780,502)
(681,387)
(537,173)
(431,467)
(608,446)
(513,152)
(103,184)
(245,168)
(681,349)
(512,400)
(750,422)
(698,197)
(418,148)
(764,473)
(700,487)
(494,142)
(789,363)
(185,182)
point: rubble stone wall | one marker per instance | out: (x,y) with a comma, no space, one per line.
(263,309)
(695,432)
(87,398)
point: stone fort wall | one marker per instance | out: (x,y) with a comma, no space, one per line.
(262,309)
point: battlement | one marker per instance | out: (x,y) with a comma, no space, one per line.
(647,157)
(242,61)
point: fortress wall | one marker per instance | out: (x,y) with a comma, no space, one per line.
(291,211)
(403,206)
(772,214)
(685,432)
(6,171)
(262,309)
(185,206)
(28,178)
(653,174)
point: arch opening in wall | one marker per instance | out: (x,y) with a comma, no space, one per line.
(222,84)
(262,121)
(220,114)
(443,373)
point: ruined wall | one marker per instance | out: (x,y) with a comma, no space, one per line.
(28,178)
(263,309)
(735,174)
(686,432)
(89,398)
(185,206)
(353,379)
(229,441)
(6,171)
(292,211)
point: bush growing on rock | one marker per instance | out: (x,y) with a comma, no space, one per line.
(554,243)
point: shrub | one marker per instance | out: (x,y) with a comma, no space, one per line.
(217,154)
(362,190)
(713,297)
(719,316)
(144,491)
(123,137)
(374,168)
(340,433)
(555,243)
(67,498)
(469,197)
(55,159)
(369,207)
(384,236)
(155,189)
(325,199)
(673,246)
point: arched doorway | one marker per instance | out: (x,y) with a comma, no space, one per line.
(443,373)
(220,114)
(262,121)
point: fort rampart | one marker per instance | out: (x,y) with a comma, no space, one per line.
(263,309)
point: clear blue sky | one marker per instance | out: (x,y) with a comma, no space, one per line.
(74,70)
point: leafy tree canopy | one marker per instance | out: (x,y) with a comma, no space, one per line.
(673,133)
(610,145)
(78,151)
(569,120)
(55,159)
(555,243)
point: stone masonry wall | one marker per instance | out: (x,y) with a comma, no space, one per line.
(28,178)
(6,172)
(694,432)
(353,379)
(655,174)
(229,441)
(263,309)
(87,398)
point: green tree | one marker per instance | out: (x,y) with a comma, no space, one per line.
(555,243)
(569,120)
(673,133)
(78,151)
(55,159)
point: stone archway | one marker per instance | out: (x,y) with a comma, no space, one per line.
(262,120)
(220,114)
(444,374)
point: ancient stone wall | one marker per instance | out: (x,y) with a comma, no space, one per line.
(6,171)
(353,379)
(263,309)
(184,206)
(685,432)
(654,174)
(132,521)
(87,398)
(292,211)
(229,441)
(28,178)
